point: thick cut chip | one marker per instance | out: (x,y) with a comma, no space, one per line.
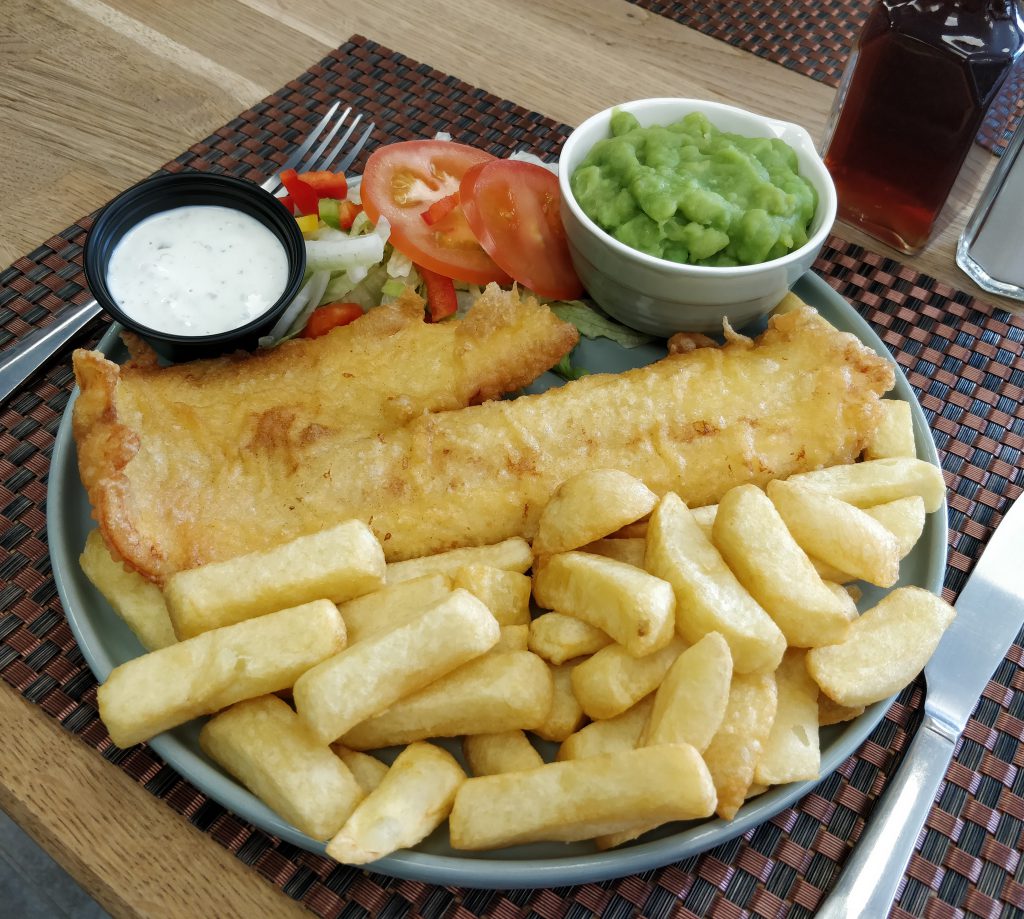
(509,555)
(878,481)
(368,677)
(413,799)
(690,703)
(138,602)
(337,564)
(904,518)
(513,638)
(886,648)
(830,712)
(630,551)
(264,745)
(505,593)
(498,692)
(509,751)
(709,598)
(633,607)
(735,750)
(589,506)
(202,675)
(613,680)
(565,715)
(367,770)
(838,533)
(764,556)
(895,435)
(582,798)
(609,735)
(392,606)
(792,753)
(559,638)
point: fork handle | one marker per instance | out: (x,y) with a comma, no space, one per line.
(20,361)
(872,875)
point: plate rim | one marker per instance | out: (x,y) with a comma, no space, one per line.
(501,873)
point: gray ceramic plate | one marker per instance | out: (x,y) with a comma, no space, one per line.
(107,642)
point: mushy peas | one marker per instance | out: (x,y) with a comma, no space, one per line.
(690,193)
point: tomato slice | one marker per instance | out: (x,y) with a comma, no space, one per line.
(403,180)
(513,209)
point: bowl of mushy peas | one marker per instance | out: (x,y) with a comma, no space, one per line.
(682,213)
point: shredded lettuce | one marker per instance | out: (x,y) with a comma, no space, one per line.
(592,323)
(567,370)
(293,319)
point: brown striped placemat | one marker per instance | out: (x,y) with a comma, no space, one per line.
(964,360)
(815,39)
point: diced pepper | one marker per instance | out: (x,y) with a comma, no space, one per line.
(329,212)
(441,299)
(303,195)
(330,316)
(308,223)
(287,203)
(347,213)
(327,184)
(440,209)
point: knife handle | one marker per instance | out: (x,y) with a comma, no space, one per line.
(872,875)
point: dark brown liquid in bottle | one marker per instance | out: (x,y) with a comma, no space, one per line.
(924,77)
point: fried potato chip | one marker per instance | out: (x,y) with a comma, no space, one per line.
(705,518)
(367,770)
(202,675)
(764,556)
(709,598)
(612,680)
(791,753)
(582,798)
(635,530)
(690,703)
(505,593)
(895,434)
(336,564)
(904,518)
(886,648)
(509,751)
(513,638)
(838,533)
(413,799)
(559,638)
(497,692)
(830,712)
(138,602)
(391,606)
(588,506)
(565,715)
(610,735)
(511,555)
(630,551)
(878,481)
(372,675)
(263,744)
(733,753)
(633,607)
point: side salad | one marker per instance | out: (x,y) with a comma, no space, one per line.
(443,219)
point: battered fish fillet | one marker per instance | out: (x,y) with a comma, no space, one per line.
(802,396)
(233,426)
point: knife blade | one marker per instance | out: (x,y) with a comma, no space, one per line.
(990,613)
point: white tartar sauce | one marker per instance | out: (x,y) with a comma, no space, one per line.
(197,270)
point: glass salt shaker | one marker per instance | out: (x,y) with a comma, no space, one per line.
(991,247)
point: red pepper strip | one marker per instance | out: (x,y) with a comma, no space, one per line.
(441,299)
(330,316)
(303,195)
(440,209)
(347,213)
(287,204)
(326,184)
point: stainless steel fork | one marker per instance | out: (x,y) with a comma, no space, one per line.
(22,359)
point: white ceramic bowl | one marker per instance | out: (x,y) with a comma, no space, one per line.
(662,297)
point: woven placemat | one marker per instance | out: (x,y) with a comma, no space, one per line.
(964,361)
(815,39)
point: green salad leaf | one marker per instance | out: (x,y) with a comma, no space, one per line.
(592,323)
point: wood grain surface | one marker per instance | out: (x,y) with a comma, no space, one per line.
(98,93)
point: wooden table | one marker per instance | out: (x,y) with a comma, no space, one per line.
(104,91)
